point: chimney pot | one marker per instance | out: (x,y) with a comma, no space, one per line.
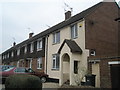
(14,44)
(30,35)
(67,15)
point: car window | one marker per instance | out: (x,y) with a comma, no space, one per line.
(20,70)
(9,69)
(5,67)
(30,70)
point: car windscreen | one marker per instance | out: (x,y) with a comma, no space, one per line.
(20,70)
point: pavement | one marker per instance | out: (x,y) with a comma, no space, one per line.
(45,85)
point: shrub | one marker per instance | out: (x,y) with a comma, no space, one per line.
(23,82)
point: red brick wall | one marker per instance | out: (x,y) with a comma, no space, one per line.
(102,34)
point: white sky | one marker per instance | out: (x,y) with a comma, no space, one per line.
(16,16)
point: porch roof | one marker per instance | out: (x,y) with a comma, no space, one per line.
(72,45)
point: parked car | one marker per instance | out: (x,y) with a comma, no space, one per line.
(22,70)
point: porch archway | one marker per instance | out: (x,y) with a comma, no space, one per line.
(66,68)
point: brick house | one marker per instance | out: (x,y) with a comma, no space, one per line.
(87,40)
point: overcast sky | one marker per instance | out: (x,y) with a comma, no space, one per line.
(20,17)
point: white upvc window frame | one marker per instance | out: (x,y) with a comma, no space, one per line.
(56,37)
(39,63)
(39,44)
(74,31)
(54,61)
(31,47)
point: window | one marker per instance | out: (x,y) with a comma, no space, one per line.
(74,31)
(18,52)
(55,59)
(5,56)
(25,49)
(56,37)
(92,52)
(39,45)
(76,67)
(39,63)
(8,55)
(31,47)
(18,63)
(12,54)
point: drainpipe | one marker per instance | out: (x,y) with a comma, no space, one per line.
(46,51)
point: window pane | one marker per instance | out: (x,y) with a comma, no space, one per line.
(39,45)
(57,61)
(39,63)
(54,38)
(72,32)
(76,31)
(76,67)
(53,63)
(58,37)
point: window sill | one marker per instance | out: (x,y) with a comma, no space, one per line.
(39,68)
(56,43)
(55,69)
(75,37)
(39,49)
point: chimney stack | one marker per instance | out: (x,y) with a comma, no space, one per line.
(14,44)
(67,15)
(31,34)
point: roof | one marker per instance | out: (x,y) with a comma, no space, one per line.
(72,45)
(60,25)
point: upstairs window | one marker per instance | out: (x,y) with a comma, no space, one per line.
(3,57)
(39,63)
(12,54)
(25,50)
(56,37)
(74,31)
(31,47)
(8,55)
(55,60)
(18,52)
(39,45)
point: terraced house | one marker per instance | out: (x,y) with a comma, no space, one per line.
(87,40)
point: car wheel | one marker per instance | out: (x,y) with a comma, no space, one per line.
(43,79)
